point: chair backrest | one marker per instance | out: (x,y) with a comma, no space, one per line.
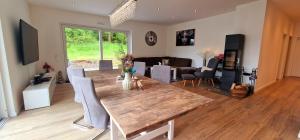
(140,67)
(75,71)
(94,112)
(161,73)
(105,65)
(213,63)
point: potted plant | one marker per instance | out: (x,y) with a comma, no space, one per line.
(47,67)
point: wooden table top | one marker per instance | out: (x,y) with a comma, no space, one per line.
(136,111)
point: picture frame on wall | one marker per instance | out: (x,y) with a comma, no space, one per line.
(185,37)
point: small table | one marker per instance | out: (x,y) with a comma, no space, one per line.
(144,114)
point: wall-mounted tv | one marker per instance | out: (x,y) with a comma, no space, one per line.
(29,43)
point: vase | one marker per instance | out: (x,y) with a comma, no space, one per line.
(126,83)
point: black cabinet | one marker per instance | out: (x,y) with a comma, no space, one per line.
(233,54)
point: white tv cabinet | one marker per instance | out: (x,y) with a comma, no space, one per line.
(37,96)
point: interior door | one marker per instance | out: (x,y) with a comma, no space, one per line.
(283,57)
(294,61)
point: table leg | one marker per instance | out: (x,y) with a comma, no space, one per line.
(171,130)
(174,74)
(113,131)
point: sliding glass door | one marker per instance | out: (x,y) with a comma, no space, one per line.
(114,46)
(85,47)
(82,47)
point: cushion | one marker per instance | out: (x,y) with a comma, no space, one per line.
(206,69)
(188,76)
(199,74)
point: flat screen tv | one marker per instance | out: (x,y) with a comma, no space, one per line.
(29,43)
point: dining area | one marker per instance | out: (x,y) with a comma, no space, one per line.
(135,113)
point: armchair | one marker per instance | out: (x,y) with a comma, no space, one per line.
(209,71)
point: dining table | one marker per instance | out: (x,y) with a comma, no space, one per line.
(143,114)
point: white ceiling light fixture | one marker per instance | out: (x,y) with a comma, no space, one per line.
(123,13)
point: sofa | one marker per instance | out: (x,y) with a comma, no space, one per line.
(183,65)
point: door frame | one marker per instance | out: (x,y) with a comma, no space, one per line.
(282,63)
(100,30)
(288,53)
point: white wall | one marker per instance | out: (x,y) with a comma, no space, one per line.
(247,19)
(210,33)
(48,21)
(250,21)
(15,76)
(277,24)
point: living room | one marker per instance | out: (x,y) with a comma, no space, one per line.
(264,23)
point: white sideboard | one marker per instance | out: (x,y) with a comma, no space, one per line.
(40,95)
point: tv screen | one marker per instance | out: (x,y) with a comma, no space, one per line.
(29,43)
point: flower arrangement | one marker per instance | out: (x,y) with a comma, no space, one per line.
(127,64)
(47,67)
(206,53)
(220,56)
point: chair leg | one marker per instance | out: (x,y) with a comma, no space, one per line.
(184,82)
(75,123)
(193,83)
(212,82)
(199,82)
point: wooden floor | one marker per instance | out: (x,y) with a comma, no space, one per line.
(273,113)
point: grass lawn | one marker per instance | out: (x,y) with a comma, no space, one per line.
(91,51)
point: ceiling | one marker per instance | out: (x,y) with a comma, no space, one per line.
(152,11)
(290,7)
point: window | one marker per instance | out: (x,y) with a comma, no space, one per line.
(114,46)
(85,47)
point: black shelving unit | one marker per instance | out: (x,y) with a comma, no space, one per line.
(232,64)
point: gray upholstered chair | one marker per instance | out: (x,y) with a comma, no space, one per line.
(140,67)
(161,73)
(210,75)
(105,65)
(75,71)
(94,113)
